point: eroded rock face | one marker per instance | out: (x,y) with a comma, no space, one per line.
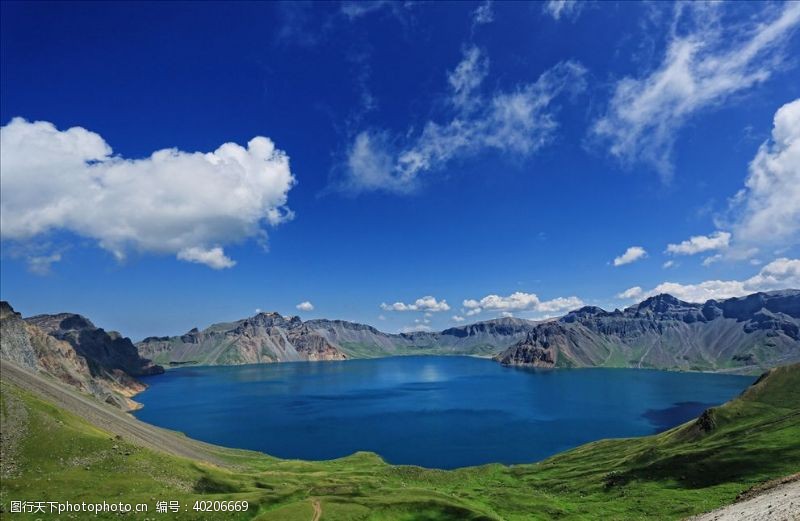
(103,350)
(748,334)
(70,349)
(263,338)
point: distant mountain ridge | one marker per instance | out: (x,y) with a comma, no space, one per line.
(271,337)
(743,334)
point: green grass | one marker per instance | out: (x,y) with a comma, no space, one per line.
(668,476)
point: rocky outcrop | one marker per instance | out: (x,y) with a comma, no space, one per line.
(72,350)
(744,334)
(103,350)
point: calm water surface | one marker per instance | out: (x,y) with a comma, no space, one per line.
(442,412)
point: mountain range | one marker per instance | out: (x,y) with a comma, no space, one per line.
(270,337)
(742,335)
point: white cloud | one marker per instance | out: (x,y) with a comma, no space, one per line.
(213,257)
(484,14)
(381,317)
(427,303)
(42,264)
(520,122)
(520,301)
(467,77)
(767,210)
(669,264)
(566,8)
(711,259)
(632,254)
(781,273)
(631,293)
(189,204)
(706,61)
(507,314)
(700,243)
(418,328)
(305,306)
(353,10)
(457,318)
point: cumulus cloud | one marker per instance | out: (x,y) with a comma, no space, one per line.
(520,301)
(566,8)
(767,210)
(781,273)
(189,204)
(520,121)
(700,243)
(669,264)
(305,306)
(427,303)
(631,293)
(632,254)
(706,61)
(213,257)
(457,318)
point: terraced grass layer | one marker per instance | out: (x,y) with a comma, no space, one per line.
(50,454)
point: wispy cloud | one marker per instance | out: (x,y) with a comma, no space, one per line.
(189,204)
(706,62)
(632,254)
(520,121)
(568,9)
(483,14)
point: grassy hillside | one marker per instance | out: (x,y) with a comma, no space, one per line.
(50,454)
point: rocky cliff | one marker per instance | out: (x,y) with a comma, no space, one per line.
(71,349)
(743,334)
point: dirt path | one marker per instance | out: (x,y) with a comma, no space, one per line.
(778,503)
(317,509)
(109,418)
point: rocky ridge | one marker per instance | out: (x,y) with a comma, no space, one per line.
(72,350)
(271,337)
(743,334)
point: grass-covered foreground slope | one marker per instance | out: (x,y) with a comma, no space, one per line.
(51,454)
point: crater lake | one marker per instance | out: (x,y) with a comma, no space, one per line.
(433,411)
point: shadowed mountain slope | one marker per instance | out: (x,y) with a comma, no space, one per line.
(744,334)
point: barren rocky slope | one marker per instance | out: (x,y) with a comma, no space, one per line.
(744,334)
(71,349)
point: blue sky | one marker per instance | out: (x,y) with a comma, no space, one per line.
(415,165)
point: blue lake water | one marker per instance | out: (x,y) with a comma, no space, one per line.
(441,412)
